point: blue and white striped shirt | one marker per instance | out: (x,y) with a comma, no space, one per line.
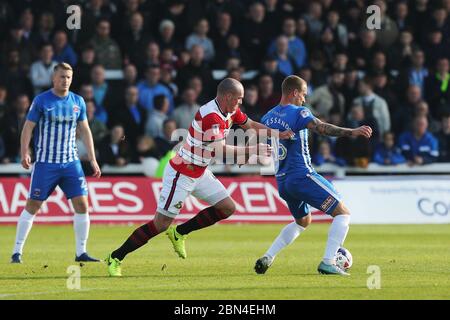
(56,121)
(293,155)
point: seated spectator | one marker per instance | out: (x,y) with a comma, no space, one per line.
(339,30)
(363,50)
(166,37)
(267,97)
(114,148)
(196,66)
(437,87)
(164,142)
(324,155)
(221,31)
(418,145)
(286,64)
(443,137)
(41,71)
(132,117)
(185,112)
(196,84)
(270,67)
(328,96)
(387,153)
(167,79)
(250,103)
(157,116)
(106,49)
(145,148)
(104,94)
(151,87)
(63,51)
(2,151)
(200,37)
(134,38)
(151,56)
(296,46)
(13,125)
(232,49)
(388,33)
(98,128)
(402,51)
(374,105)
(82,73)
(3,104)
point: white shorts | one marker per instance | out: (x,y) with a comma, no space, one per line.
(177,187)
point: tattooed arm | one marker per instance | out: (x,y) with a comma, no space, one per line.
(328,129)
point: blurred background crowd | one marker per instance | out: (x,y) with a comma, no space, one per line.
(172,54)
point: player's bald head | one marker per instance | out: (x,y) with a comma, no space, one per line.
(292,83)
(229,86)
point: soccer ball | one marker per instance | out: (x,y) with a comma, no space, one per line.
(344,259)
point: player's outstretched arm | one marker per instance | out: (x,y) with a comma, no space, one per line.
(266,131)
(328,129)
(86,136)
(25,139)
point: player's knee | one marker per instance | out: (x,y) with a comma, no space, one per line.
(305,221)
(340,209)
(226,206)
(33,206)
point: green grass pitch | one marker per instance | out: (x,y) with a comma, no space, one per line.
(414,261)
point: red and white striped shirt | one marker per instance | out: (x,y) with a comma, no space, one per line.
(210,124)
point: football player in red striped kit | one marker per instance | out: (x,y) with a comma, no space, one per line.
(187,173)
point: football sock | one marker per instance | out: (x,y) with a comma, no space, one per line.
(138,238)
(23,229)
(81,226)
(203,219)
(336,236)
(285,238)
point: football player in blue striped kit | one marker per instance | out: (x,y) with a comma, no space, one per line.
(52,121)
(298,183)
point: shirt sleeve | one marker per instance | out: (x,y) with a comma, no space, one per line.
(35,112)
(82,115)
(304,117)
(239,117)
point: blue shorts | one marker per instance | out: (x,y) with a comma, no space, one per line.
(45,177)
(312,189)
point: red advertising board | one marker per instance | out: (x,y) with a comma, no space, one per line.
(133,199)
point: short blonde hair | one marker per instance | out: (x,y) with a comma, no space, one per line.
(291,83)
(63,66)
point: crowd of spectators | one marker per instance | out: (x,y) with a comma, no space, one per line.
(395,79)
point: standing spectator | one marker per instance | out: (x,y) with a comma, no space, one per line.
(106,49)
(363,50)
(402,17)
(41,71)
(233,49)
(401,53)
(185,112)
(63,51)
(418,145)
(416,73)
(13,127)
(374,105)
(387,153)
(200,37)
(130,115)
(151,87)
(114,148)
(443,137)
(17,41)
(151,56)
(44,32)
(221,31)
(327,97)
(157,116)
(296,46)
(270,66)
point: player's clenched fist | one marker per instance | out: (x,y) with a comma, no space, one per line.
(26,161)
(288,134)
(97,172)
(364,131)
